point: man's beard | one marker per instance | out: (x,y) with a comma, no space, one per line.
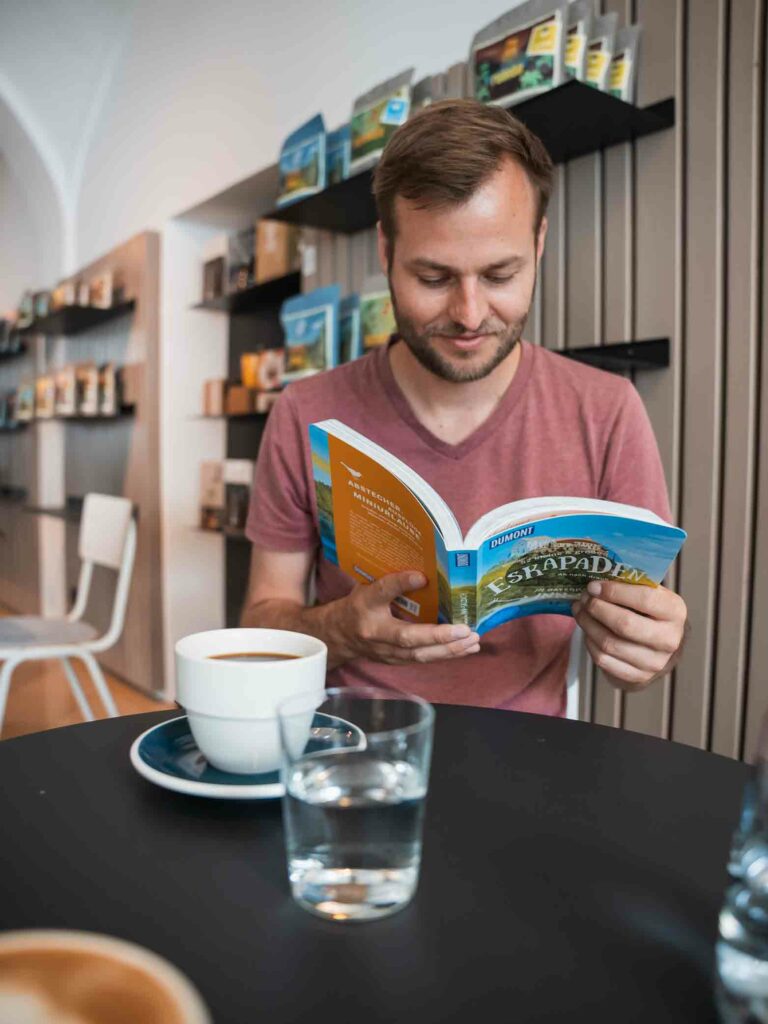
(431,358)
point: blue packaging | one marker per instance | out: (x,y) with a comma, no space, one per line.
(302,162)
(311,326)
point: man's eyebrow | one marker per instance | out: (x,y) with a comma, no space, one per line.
(422,263)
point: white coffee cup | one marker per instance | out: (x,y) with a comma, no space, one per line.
(231,704)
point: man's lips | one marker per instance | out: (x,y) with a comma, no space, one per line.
(466,342)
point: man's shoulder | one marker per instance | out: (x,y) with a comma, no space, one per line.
(324,395)
(588,384)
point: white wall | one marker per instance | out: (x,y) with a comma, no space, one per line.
(203,94)
(20,248)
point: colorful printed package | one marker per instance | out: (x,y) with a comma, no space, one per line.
(520,55)
(600,50)
(375,117)
(350,346)
(580,15)
(337,155)
(427,91)
(622,76)
(377,319)
(311,326)
(302,162)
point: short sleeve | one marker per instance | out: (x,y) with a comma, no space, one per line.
(632,471)
(280,516)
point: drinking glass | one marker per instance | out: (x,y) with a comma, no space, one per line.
(355,789)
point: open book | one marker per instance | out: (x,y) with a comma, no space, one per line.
(378,516)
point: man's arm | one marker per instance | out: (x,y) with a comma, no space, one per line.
(360,625)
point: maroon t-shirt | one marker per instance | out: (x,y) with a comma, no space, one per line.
(561,428)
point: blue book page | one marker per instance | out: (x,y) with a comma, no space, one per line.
(543,566)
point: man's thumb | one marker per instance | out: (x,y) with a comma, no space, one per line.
(394,584)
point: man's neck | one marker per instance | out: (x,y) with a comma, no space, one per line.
(450,411)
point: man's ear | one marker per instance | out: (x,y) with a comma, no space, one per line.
(540,239)
(382,246)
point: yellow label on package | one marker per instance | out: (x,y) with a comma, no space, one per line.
(543,41)
(574,47)
(621,65)
(597,62)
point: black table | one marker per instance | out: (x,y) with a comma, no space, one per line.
(571,873)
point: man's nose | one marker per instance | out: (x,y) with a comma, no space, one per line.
(468,305)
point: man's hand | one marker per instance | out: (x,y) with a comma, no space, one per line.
(633,633)
(362,625)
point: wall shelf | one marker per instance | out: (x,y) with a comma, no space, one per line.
(71,512)
(258,295)
(230,532)
(623,356)
(7,356)
(76,319)
(572,120)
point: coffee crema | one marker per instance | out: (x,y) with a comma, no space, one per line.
(53,984)
(257,656)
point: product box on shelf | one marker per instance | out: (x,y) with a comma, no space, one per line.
(301,165)
(214,397)
(238,476)
(263,370)
(211,494)
(213,279)
(100,288)
(109,386)
(41,304)
(375,117)
(130,384)
(45,397)
(277,250)
(241,248)
(239,400)
(66,391)
(87,389)
(25,401)
(264,400)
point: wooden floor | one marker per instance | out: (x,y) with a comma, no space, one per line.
(40,698)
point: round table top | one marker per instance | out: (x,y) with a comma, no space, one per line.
(570,872)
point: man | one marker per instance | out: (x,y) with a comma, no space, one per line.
(484,417)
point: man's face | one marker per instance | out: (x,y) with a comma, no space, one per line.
(462,277)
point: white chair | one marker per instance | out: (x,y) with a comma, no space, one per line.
(572,676)
(107,538)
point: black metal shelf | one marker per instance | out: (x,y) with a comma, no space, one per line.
(13,495)
(230,532)
(572,120)
(71,512)
(255,297)
(76,319)
(620,357)
(7,356)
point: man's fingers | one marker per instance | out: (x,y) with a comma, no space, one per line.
(425,655)
(655,602)
(607,646)
(631,625)
(393,585)
(632,678)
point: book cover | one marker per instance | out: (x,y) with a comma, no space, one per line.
(376,516)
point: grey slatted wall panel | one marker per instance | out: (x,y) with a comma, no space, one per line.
(739,405)
(704,232)
(553,267)
(656,266)
(756,701)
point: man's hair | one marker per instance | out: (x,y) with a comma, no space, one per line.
(444,153)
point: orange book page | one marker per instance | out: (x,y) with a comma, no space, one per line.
(381,527)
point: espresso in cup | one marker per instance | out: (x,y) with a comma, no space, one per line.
(230,681)
(50,977)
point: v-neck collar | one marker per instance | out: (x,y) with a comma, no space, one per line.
(455,451)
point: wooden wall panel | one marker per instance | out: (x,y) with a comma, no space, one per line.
(704,119)
(740,382)
(755,703)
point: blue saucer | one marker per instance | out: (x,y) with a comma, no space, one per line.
(167,755)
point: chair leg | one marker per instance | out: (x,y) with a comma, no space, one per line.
(99,682)
(6,671)
(77,691)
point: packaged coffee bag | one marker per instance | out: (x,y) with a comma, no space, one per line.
(622,76)
(520,55)
(600,50)
(375,117)
(349,328)
(311,326)
(580,15)
(302,162)
(337,155)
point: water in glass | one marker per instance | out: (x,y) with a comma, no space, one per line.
(353,826)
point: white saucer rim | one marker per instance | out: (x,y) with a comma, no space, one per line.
(256,791)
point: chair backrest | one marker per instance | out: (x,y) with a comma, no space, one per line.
(107,538)
(104,529)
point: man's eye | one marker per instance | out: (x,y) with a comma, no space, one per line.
(495,279)
(433,282)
